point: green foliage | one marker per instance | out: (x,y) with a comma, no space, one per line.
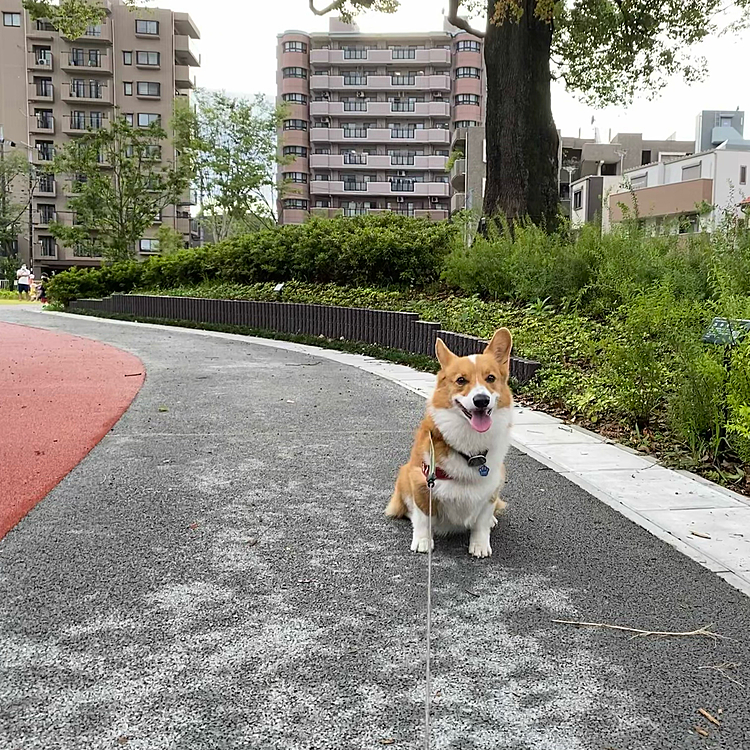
(170,240)
(373,250)
(15,174)
(70,17)
(119,185)
(738,400)
(230,143)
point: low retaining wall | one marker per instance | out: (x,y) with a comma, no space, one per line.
(396,330)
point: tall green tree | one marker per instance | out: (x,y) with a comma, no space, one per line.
(231,144)
(17,180)
(119,186)
(606,50)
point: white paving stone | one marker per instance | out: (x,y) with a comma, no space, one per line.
(596,457)
(552,434)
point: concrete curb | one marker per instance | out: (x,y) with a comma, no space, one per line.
(700,519)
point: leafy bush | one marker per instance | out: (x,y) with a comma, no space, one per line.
(381,250)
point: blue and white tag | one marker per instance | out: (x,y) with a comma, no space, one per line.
(484,470)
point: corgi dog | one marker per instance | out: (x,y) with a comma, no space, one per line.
(468,418)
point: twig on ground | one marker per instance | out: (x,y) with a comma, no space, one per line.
(722,670)
(639,633)
(706,715)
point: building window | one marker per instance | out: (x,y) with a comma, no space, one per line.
(725,122)
(148,246)
(45,149)
(468,73)
(295,151)
(152,151)
(467,99)
(355,53)
(128,88)
(403,53)
(94,29)
(149,88)
(146,118)
(322,150)
(295,47)
(688,224)
(43,86)
(693,172)
(149,59)
(82,89)
(295,98)
(150,28)
(743,175)
(468,45)
(294,72)
(295,125)
(48,247)
(46,212)
(298,203)
(127,58)
(12,19)
(465,124)
(578,199)
(295,176)
(322,203)
(46,182)
(645,157)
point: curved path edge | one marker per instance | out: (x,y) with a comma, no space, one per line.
(60,395)
(702,520)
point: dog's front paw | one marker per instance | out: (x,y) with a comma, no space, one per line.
(480,547)
(421,544)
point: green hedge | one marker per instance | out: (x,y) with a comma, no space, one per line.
(382,250)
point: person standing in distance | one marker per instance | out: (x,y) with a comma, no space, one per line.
(23,277)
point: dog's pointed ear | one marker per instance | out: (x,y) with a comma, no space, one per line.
(500,346)
(444,355)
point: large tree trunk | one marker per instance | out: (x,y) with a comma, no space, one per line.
(522,170)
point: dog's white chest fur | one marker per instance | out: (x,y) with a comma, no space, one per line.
(468,495)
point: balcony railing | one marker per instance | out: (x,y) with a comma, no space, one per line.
(355,54)
(403,80)
(46,122)
(402,132)
(402,186)
(396,160)
(403,106)
(48,250)
(85,62)
(355,106)
(355,133)
(44,89)
(355,186)
(359,211)
(81,251)
(355,80)
(87,92)
(82,123)
(403,211)
(355,158)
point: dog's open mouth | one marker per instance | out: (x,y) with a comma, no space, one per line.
(479,419)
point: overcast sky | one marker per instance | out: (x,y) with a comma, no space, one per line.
(238,48)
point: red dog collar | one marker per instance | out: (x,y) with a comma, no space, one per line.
(439,473)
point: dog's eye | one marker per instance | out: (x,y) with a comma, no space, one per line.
(490,378)
(461,381)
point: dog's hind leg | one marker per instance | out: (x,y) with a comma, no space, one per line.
(396,507)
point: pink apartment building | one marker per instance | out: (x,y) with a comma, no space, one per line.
(370,119)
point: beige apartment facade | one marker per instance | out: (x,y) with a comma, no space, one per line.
(370,117)
(52,89)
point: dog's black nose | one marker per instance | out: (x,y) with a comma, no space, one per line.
(481,401)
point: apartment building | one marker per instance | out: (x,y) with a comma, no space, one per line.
(370,118)
(53,89)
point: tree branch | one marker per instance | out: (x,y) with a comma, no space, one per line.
(459,23)
(335,4)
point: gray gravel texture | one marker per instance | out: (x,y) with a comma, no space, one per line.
(221,575)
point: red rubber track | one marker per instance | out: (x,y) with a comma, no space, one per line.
(59,396)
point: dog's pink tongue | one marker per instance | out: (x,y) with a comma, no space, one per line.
(481,421)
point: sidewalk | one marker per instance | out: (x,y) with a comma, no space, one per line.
(218,573)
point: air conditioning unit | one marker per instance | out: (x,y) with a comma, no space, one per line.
(400,199)
(401,173)
(42,61)
(434,199)
(438,95)
(360,94)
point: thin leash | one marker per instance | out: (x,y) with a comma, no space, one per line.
(428,689)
